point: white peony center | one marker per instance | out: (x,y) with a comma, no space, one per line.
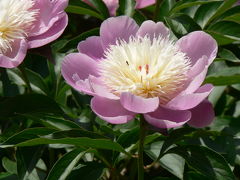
(16,19)
(145,67)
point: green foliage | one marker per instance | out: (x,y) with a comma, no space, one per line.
(51,133)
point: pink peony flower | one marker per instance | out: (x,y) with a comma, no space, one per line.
(28,24)
(112,5)
(133,70)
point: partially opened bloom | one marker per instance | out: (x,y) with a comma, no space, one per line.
(112,5)
(28,24)
(133,70)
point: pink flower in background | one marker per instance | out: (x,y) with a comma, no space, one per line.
(133,70)
(112,5)
(28,24)
(144,3)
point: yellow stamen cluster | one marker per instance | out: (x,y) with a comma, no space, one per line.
(145,67)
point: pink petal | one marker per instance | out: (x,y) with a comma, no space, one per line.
(198,44)
(202,115)
(167,118)
(49,12)
(77,67)
(52,34)
(112,6)
(196,75)
(139,104)
(189,101)
(59,6)
(153,29)
(92,46)
(115,28)
(94,86)
(12,58)
(143,3)
(84,86)
(110,110)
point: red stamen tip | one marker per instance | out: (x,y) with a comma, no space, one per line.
(140,68)
(147,68)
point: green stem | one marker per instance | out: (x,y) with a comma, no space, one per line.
(142,135)
(25,78)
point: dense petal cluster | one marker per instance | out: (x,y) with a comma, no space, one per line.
(133,70)
(28,24)
(112,5)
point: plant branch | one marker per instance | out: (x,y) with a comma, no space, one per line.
(142,135)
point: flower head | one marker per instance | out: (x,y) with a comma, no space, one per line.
(28,24)
(130,70)
(145,67)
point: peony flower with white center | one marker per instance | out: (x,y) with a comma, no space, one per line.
(112,5)
(28,24)
(133,70)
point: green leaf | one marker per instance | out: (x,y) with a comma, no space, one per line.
(195,176)
(101,7)
(72,43)
(78,7)
(27,134)
(34,133)
(227,4)
(9,165)
(81,142)
(149,139)
(233,18)
(216,94)
(237,110)
(177,28)
(166,178)
(171,162)
(8,88)
(234,10)
(28,103)
(226,28)
(205,12)
(227,123)
(76,133)
(52,122)
(206,161)
(182,24)
(188,3)
(128,138)
(126,7)
(139,17)
(221,39)
(227,76)
(88,171)
(63,167)
(8,176)
(175,136)
(27,158)
(164,9)
(228,55)
(37,82)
